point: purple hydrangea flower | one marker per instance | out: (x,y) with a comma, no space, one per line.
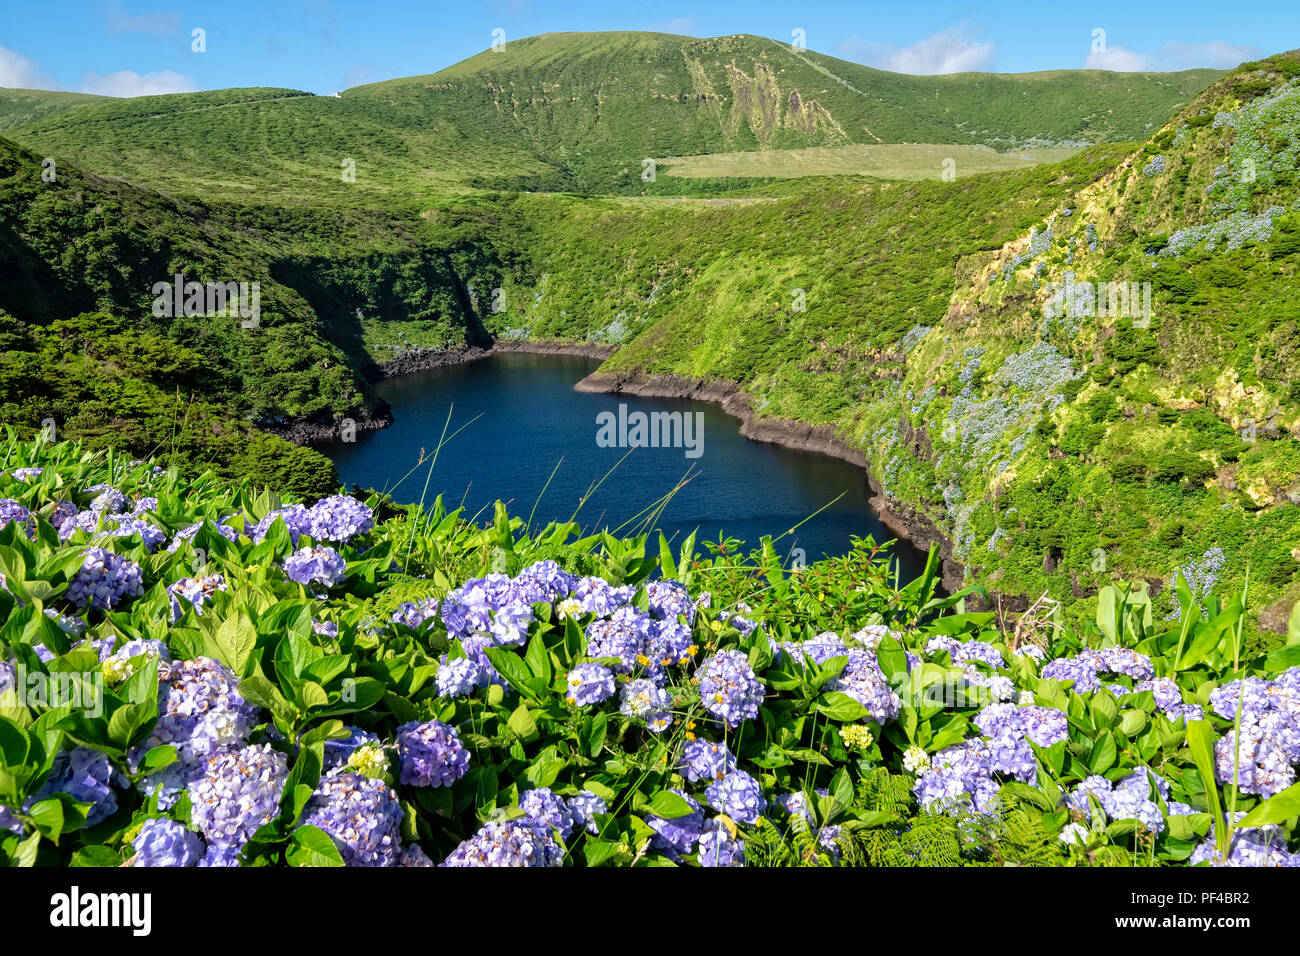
(597,596)
(319,564)
(706,760)
(431,754)
(643,700)
(164,842)
(412,855)
(677,835)
(543,581)
(221,855)
(340,518)
(864,681)
(509,843)
(415,613)
(14,511)
(361,814)
(719,846)
(669,599)
(88,777)
(728,688)
(238,792)
(459,677)
(738,795)
(295,517)
(622,636)
(104,579)
(589,684)
(197,591)
(188,533)
(547,810)
(583,807)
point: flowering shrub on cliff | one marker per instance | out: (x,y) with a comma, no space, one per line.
(424,691)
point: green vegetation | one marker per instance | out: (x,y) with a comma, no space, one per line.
(1058,449)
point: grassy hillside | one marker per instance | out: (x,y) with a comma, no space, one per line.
(19,107)
(1058,449)
(581,112)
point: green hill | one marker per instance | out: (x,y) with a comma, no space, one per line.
(19,107)
(575,111)
(1057,450)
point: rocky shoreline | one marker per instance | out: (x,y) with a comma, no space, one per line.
(321,429)
(902,521)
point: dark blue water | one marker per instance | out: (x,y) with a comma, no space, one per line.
(527,418)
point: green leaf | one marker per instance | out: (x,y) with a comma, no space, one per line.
(1293,626)
(96,856)
(1200,740)
(840,706)
(522,723)
(48,817)
(1104,753)
(512,667)
(667,805)
(538,659)
(1276,809)
(311,846)
(235,641)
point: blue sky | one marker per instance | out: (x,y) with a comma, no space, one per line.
(134,47)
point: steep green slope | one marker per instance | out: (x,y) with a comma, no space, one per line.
(1058,448)
(581,112)
(19,107)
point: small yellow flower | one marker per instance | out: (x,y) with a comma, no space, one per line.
(572,700)
(689,735)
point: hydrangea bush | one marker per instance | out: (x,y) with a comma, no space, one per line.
(316,685)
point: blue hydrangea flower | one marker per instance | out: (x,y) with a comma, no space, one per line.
(319,564)
(431,754)
(459,677)
(104,579)
(583,807)
(88,777)
(738,795)
(706,760)
(197,591)
(543,581)
(188,533)
(361,814)
(508,843)
(677,835)
(297,519)
(669,599)
(728,688)
(719,846)
(643,700)
(546,809)
(164,842)
(589,684)
(238,792)
(340,518)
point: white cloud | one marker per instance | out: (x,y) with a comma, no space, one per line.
(131,83)
(685,25)
(21,73)
(1170,57)
(949,51)
(1118,59)
(164,23)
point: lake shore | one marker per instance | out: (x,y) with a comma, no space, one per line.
(902,521)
